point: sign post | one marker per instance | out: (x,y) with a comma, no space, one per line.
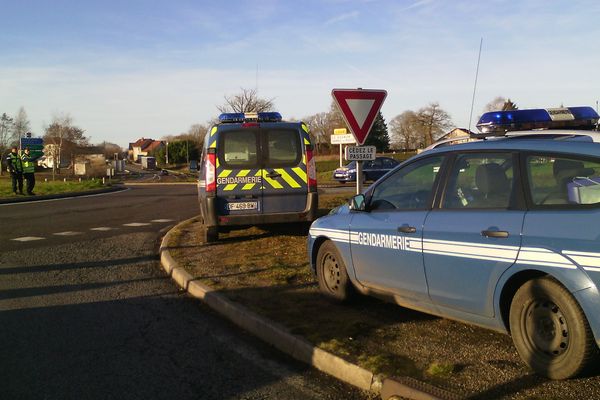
(359,108)
(341,136)
(36,146)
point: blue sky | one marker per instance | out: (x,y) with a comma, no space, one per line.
(126,69)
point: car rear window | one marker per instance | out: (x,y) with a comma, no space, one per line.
(239,148)
(563,181)
(283,147)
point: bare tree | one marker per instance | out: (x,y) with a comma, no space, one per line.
(246,101)
(64,136)
(20,125)
(319,130)
(406,132)
(109,149)
(434,121)
(6,128)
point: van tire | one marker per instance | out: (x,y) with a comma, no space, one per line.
(210,234)
(332,274)
(550,330)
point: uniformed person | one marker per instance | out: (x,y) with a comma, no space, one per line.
(28,171)
(15,167)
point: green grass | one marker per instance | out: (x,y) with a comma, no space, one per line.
(56,187)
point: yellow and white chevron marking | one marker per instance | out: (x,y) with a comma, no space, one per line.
(288,178)
(301,173)
(213,145)
(306,141)
(305,128)
(224,174)
(274,184)
(589,261)
(213,131)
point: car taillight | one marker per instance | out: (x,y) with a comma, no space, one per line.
(311,170)
(211,172)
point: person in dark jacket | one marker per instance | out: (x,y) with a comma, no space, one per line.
(14,165)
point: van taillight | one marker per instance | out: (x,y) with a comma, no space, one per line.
(211,172)
(311,170)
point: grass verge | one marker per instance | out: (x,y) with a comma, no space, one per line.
(50,187)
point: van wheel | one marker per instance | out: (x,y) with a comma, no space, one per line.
(550,331)
(210,234)
(332,274)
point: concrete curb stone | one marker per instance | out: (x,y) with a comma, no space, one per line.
(278,336)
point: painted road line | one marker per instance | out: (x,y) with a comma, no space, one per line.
(67,233)
(102,229)
(28,238)
(161,220)
(137,224)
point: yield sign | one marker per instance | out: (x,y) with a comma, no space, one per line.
(359,108)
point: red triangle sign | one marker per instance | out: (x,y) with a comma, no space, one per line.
(359,108)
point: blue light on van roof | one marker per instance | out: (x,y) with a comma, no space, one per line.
(271,116)
(497,123)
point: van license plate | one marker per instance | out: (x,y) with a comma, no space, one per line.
(245,205)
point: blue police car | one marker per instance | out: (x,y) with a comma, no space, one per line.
(502,232)
(372,170)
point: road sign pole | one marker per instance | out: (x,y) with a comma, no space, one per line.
(341,156)
(359,177)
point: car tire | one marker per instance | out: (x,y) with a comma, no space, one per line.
(550,330)
(332,274)
(210,234)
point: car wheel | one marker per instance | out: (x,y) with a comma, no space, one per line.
(210,234)
(332,274)
(550,331)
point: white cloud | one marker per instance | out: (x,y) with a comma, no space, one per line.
(342,17)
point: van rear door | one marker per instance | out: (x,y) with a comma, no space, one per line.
(239,176)
(283,170)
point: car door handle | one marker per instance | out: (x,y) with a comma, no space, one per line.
(407,229)
(273,174)
(495,234)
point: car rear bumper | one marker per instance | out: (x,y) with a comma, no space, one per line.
(211,218)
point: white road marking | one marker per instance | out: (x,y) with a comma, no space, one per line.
(137,224)
(161,220)
(28,238)
(67,233)
(102,229)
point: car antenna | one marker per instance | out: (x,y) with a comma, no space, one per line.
(475,85)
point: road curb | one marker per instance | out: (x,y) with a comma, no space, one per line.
(280,337)
(67,195)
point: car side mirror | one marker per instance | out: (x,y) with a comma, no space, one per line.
(358,203)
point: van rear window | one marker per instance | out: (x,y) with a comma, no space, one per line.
(283,147)
(240,148)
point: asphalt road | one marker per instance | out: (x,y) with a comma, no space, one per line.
(86,312)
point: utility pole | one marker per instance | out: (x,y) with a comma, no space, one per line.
(167,154)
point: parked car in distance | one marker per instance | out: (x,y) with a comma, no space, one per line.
(501,233)
(372,170)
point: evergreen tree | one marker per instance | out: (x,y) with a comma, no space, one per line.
(378,135)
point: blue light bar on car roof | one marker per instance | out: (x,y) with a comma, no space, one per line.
(497,123)
(250,116)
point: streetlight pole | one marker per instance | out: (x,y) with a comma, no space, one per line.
(167,154)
